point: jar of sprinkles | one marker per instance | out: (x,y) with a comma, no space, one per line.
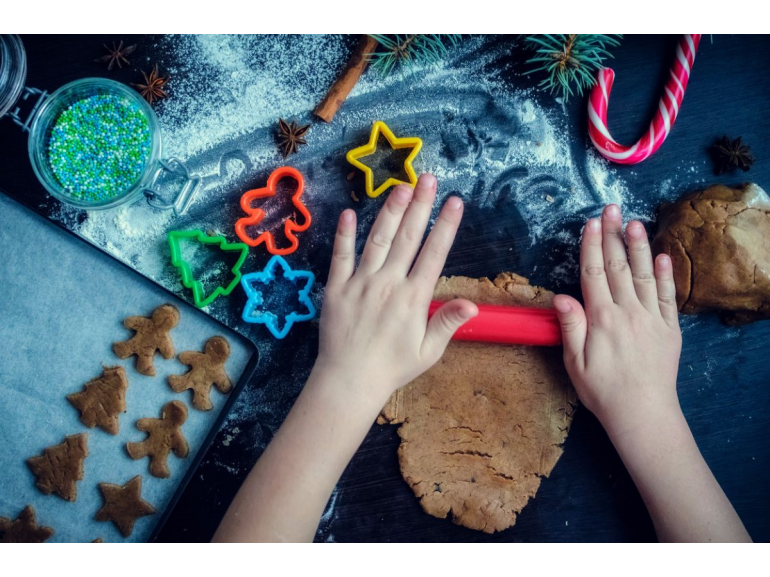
(93,143)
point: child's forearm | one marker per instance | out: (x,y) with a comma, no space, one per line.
(284,496)
(682,496)
(375,336)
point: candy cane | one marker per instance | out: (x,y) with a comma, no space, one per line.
(668,108)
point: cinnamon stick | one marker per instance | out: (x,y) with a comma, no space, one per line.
(339,91)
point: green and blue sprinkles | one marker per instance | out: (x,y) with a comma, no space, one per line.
(99,147)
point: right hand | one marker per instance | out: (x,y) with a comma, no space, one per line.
(622,351)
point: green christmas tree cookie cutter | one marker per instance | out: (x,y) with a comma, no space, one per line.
(199,297)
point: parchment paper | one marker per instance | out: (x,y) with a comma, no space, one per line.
(62,304)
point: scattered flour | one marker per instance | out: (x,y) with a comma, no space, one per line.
(486,139)
(228,91)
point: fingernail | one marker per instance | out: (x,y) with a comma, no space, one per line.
(594,225)
(664,261)
(612,211)
(347,216)
(454,203)
(403,193)
(562,305)
(634,230)
(468,312)
(428,180)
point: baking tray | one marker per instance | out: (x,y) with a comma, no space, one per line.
(62,304)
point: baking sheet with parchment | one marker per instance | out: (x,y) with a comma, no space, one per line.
(62,304)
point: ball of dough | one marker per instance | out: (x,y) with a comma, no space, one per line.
(719,242)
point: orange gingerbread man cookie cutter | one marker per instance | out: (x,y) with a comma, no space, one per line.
(257,215)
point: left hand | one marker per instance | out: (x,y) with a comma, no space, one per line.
(375,334)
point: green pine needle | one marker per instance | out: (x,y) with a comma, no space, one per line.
(571,60)
(404,51)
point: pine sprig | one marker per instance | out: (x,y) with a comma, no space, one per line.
(404,51)
(571,60)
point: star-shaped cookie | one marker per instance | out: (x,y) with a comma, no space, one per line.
(23,529)
(123,505)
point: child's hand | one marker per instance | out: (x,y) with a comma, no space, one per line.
(622,352)
(375,336)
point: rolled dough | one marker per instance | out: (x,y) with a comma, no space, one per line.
(482,427)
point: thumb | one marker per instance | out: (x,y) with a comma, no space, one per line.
(443,324)
(572,319)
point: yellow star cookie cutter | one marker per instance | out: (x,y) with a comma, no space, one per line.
(370,147)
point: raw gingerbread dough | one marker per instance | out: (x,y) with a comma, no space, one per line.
(123,505)
(102,400)
(60,467)
(482,427)
(207,369)
(152,334)
(24,529)
(164,435)
(719,242)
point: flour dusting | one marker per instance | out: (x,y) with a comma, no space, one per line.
(503,148)
(229,91)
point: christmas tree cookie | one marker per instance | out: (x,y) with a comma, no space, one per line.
(60,467)
(102,400)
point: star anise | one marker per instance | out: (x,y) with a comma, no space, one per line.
(731,154)
(152,89)
(290,136)
(116,55)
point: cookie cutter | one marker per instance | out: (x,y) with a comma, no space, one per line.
(255,298)
(188,280)
(370,147)
(257,215)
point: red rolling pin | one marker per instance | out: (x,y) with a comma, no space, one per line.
(509,325)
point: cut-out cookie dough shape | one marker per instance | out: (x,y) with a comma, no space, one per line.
(152,334)
(60,467)
(483,427)
(123,505)
(164,435)
(102,400)
(208,369)
(24,529)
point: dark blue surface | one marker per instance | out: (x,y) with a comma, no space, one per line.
(724,382)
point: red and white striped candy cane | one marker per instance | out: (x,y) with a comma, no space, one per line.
(668,108)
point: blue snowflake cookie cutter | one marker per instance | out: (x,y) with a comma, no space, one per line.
(251,312)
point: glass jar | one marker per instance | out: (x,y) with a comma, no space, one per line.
(47,109)
(13,71)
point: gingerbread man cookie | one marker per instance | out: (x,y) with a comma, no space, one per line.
(102,400)
(164,435)
(123,505)
(152,334)
(24,529)
(208,368)
(60,467)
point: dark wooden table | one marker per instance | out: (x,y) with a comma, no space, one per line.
(724,383)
